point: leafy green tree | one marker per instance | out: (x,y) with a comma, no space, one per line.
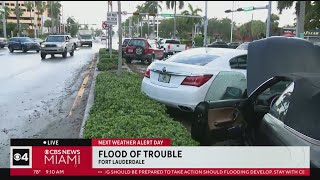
(152,7)
(41,7)
(173,5)
(193,12)
(29,6)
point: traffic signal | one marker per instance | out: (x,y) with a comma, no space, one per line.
(228,11)
(240,9)
(152,14)
(135,13)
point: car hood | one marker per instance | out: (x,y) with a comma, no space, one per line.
(278,55)
(54,43)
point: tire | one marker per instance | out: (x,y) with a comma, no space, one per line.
(150,60)
(11,49)
(165,55)
(128,60)
(38,51)
(74,46)
(24,49)
(43,56)
(65,53)
(72,53)
(90,45)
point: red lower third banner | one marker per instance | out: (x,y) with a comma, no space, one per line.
(151,157)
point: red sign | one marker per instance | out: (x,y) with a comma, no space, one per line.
(105,25)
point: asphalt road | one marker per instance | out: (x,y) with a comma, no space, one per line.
(37,95)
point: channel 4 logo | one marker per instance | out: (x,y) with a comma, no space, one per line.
(21,157)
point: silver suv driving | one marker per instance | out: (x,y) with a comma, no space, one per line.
(57,44)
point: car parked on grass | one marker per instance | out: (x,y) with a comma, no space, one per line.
(171,46)
(279,105)
(3,42)
(184,79)
(57,44)
(24,44)
(143,50)
(243,46)
(233,45)
(218,44)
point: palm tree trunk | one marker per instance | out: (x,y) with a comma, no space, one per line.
(18,18)
(154,20)
(175,20)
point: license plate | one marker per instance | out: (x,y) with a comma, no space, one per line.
(165,78)
(130,50)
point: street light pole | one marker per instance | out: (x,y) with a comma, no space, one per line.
(120,40)
(268,19)
(51,16)
(4,20)
(205,23)
(301,17)
(232,21)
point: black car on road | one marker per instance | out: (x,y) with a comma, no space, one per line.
(23,43)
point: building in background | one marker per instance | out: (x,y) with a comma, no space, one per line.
(25,19)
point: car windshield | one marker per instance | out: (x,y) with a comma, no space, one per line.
(26,40)
(55,39)
(194,57)
(137,42)
(85,37)
(172,41)
(125,42)
(243,46)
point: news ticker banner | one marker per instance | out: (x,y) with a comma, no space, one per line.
(151,157)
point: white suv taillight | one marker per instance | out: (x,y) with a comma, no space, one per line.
(196,80)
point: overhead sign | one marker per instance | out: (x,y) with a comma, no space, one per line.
(167,15)
(112,18)
(248,8)
(105,25)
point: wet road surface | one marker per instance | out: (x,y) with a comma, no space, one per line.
(36,95)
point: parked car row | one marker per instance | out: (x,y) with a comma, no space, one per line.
(266,95)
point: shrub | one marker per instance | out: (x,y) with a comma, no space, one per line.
(121,110)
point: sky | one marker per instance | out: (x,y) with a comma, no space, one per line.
(94,12)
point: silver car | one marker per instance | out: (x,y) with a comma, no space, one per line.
(57,44)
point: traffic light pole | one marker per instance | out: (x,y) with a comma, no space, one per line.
(110,36)
(231,22)
(268,20)
(205,24)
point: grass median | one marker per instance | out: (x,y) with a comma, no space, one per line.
(120,110)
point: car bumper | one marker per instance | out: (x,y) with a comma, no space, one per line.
(86,43)
(52,50)
(133,56)
(185,98)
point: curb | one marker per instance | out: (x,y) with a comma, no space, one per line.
(90,99)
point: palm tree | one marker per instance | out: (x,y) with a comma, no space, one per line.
(193,12)
(173,5)
(139,18)
(54,10)
(282,5)
(18,12)
(40,6)
(29,6)
(153,7)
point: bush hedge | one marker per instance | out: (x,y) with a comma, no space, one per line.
(122,111)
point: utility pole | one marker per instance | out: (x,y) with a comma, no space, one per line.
(268,20)
(34,19)
(18,18)
(300,21)
(4,24)
(205,24)
(110,34)
(157,27)
(232,22)
(120,40)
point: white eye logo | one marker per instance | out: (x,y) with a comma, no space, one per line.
(17,157)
